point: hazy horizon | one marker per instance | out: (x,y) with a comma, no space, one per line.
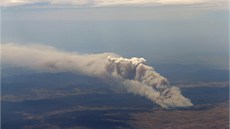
(182,32)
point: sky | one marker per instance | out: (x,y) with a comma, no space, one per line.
(161,31)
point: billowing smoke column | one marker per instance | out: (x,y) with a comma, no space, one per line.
(133,74)
(143,80)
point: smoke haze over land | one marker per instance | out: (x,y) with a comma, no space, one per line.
(137,77)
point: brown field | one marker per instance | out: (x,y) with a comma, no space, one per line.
(216,117)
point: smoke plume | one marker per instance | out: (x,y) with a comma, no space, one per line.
(133,74)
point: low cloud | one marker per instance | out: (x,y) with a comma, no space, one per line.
(96,3)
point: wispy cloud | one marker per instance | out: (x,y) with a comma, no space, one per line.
(144,2)
(96,3)
(52,2)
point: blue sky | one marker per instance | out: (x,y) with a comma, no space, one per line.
(163,31)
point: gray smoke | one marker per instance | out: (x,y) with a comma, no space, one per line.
(133,74)
(143,80)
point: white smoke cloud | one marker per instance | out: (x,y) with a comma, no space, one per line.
(46,58)
(143,80)
(133,74)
